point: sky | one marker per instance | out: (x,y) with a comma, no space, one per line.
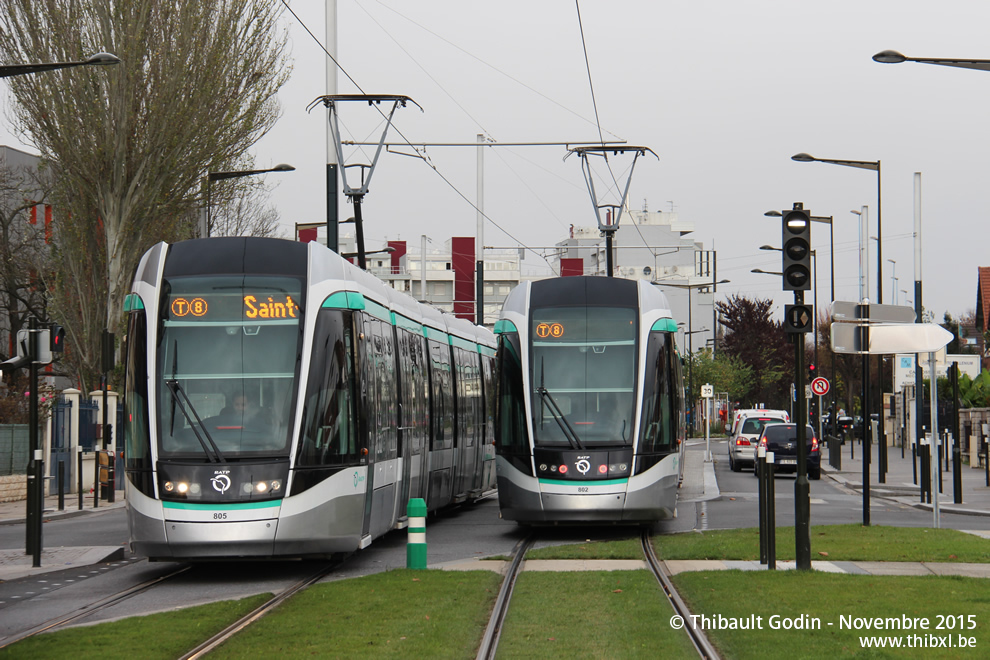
(723,91)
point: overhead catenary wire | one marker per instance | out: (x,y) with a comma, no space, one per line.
(409,143)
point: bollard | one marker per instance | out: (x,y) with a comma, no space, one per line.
(416,541)
(761,472)
(771,514)
(61,485)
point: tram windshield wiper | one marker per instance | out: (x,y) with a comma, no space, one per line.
(180,397)
(558,415)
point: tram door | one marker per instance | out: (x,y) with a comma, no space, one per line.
(413,416)
(441,420)
(380,412)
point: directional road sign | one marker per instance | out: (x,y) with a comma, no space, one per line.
(843,312)
(887,338)
(819,386)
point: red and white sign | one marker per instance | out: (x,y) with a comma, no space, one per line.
(819,386)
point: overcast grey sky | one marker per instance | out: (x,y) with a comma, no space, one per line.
(724,91)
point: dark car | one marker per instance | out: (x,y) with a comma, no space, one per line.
(781,439)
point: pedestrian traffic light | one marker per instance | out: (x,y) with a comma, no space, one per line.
(798,318)
(797,249)
(57,338)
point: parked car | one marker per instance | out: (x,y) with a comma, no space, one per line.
(781,439)
(749,425)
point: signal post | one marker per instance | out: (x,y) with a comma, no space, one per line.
(798,321)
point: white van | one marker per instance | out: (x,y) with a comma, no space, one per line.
(746,428)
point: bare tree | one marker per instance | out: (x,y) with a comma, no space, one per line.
(239,208)
(130,143)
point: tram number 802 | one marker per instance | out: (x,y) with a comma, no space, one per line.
(582,489)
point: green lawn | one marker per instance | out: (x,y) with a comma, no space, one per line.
(597,614)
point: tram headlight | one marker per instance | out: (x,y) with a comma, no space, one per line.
(183,488)
(169,486)
(261,487)
(194,489)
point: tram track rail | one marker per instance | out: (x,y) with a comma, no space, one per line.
(489,642)
(659,569)
(245,621)
(93,608)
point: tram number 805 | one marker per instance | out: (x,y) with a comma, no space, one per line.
(219,516)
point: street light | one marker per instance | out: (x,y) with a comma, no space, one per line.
(34,491)
(220,176)
(100,59)
(863,165)
(893,57)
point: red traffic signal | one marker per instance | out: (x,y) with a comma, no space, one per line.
(57,339)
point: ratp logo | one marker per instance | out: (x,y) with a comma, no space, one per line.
(221,483)
(358,478)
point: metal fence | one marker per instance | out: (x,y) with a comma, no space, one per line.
(13,449)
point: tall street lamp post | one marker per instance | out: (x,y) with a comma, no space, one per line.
(864,165)
(207,224)
(35,468)
(100,59)
(893,57)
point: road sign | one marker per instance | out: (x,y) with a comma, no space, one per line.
(819,386)
(844,312)
(707,391)
(887,338)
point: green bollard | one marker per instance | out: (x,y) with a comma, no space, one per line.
(416,541)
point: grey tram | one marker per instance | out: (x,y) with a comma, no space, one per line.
(280,402)
(589,410)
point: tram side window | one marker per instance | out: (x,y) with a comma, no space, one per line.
(510,410)
(442,399)
(137,439)
(329,437)
(657,433)
(378,385)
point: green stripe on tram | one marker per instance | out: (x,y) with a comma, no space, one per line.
(433,333)
(344,300)
(236,506)
(133,302)
(604,482)
(504,326)
(664,325)
(458,342)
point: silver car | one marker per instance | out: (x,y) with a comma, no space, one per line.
(742,443)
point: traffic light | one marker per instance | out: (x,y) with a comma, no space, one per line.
(811,372)
(57,339)
(797,249)
(798,318)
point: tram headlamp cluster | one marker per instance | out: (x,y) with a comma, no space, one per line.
(185,488)
(182,487)
(261,487)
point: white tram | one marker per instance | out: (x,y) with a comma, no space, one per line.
(281,402)
(589,409)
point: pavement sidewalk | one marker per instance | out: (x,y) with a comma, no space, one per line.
(16,563)
(903,478)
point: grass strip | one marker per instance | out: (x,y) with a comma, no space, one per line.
(398,614)
(593,614)
(832,543)
(167,635)
(828,542)
(825,597)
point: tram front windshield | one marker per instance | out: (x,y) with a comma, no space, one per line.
(226,372)
(583,376)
